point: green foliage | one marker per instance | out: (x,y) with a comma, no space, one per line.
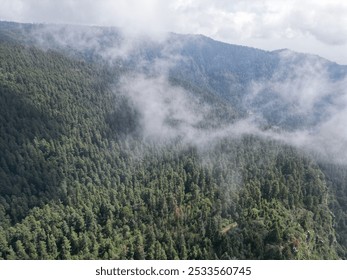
(77,182)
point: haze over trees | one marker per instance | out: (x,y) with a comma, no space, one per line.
(150,156)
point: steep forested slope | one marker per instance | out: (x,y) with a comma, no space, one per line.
(77,179)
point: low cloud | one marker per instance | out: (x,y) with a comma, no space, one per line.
(301,82)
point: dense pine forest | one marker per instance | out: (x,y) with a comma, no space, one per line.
(78,180)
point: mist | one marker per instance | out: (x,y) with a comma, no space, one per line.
(166,112)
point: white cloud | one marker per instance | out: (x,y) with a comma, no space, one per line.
(272,24)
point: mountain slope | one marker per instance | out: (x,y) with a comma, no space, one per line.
(78,179)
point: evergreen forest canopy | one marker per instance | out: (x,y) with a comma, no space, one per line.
(173,150)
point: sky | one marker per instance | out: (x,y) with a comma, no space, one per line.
(317,27)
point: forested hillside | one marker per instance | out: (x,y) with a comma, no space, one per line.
(78,180)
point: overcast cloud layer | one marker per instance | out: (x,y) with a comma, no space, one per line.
(318,27)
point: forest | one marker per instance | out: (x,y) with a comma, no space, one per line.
(79,181)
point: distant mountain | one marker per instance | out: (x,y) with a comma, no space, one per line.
(232,73)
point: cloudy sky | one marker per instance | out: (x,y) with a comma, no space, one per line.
(318,27)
